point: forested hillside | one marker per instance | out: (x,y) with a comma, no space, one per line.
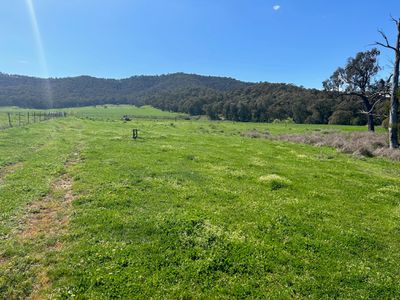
(217,97)
(27,91)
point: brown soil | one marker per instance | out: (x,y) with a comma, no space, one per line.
(49,215)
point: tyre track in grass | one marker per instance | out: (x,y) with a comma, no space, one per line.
(42,228)
(48,219)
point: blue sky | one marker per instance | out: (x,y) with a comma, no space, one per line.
(293,41)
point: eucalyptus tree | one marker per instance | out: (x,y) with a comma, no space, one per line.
(359,78)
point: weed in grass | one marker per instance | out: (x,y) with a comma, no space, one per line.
(274,181)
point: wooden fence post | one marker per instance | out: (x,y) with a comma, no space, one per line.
(9,119)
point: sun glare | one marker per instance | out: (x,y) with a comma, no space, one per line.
(39,45)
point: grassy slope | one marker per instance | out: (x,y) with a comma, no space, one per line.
(99,112)
(115,112)
(192,209)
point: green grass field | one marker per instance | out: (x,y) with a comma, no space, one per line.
(192,210)
(19,117)
(115,112)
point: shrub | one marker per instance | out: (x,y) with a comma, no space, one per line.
(286,121)
(341,117)
(385,124)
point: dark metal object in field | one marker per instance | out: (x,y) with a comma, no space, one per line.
(135,134)
(126,118)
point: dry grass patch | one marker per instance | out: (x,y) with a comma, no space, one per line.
(255,134)
(49,215)
(366,144)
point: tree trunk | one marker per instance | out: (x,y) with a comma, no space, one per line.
(371,124)
(394,100)
(370,114)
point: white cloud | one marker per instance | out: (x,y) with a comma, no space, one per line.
(276,7)
(22,61)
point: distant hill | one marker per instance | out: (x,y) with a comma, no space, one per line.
(217,97)
(25,91)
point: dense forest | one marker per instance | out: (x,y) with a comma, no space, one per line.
(216,97)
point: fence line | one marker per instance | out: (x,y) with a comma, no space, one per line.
(18,119)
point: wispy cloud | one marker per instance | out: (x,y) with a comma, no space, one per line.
(22,61)
(276,7)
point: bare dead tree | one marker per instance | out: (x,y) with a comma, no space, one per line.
(394,97)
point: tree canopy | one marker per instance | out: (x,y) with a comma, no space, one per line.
(359,78)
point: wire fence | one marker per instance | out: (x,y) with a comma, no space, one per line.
(9,119)
(18,119)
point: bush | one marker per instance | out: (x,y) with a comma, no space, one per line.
(288,120)
(358,121)
(385,124)
(341,117)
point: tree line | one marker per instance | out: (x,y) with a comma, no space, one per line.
(216,97)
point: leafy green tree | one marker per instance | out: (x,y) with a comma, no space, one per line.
(358,78)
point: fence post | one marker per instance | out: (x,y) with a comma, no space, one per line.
(28,117)
(9,119)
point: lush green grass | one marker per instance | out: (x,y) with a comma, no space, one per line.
(194,210)
(19,116)
(115,112)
